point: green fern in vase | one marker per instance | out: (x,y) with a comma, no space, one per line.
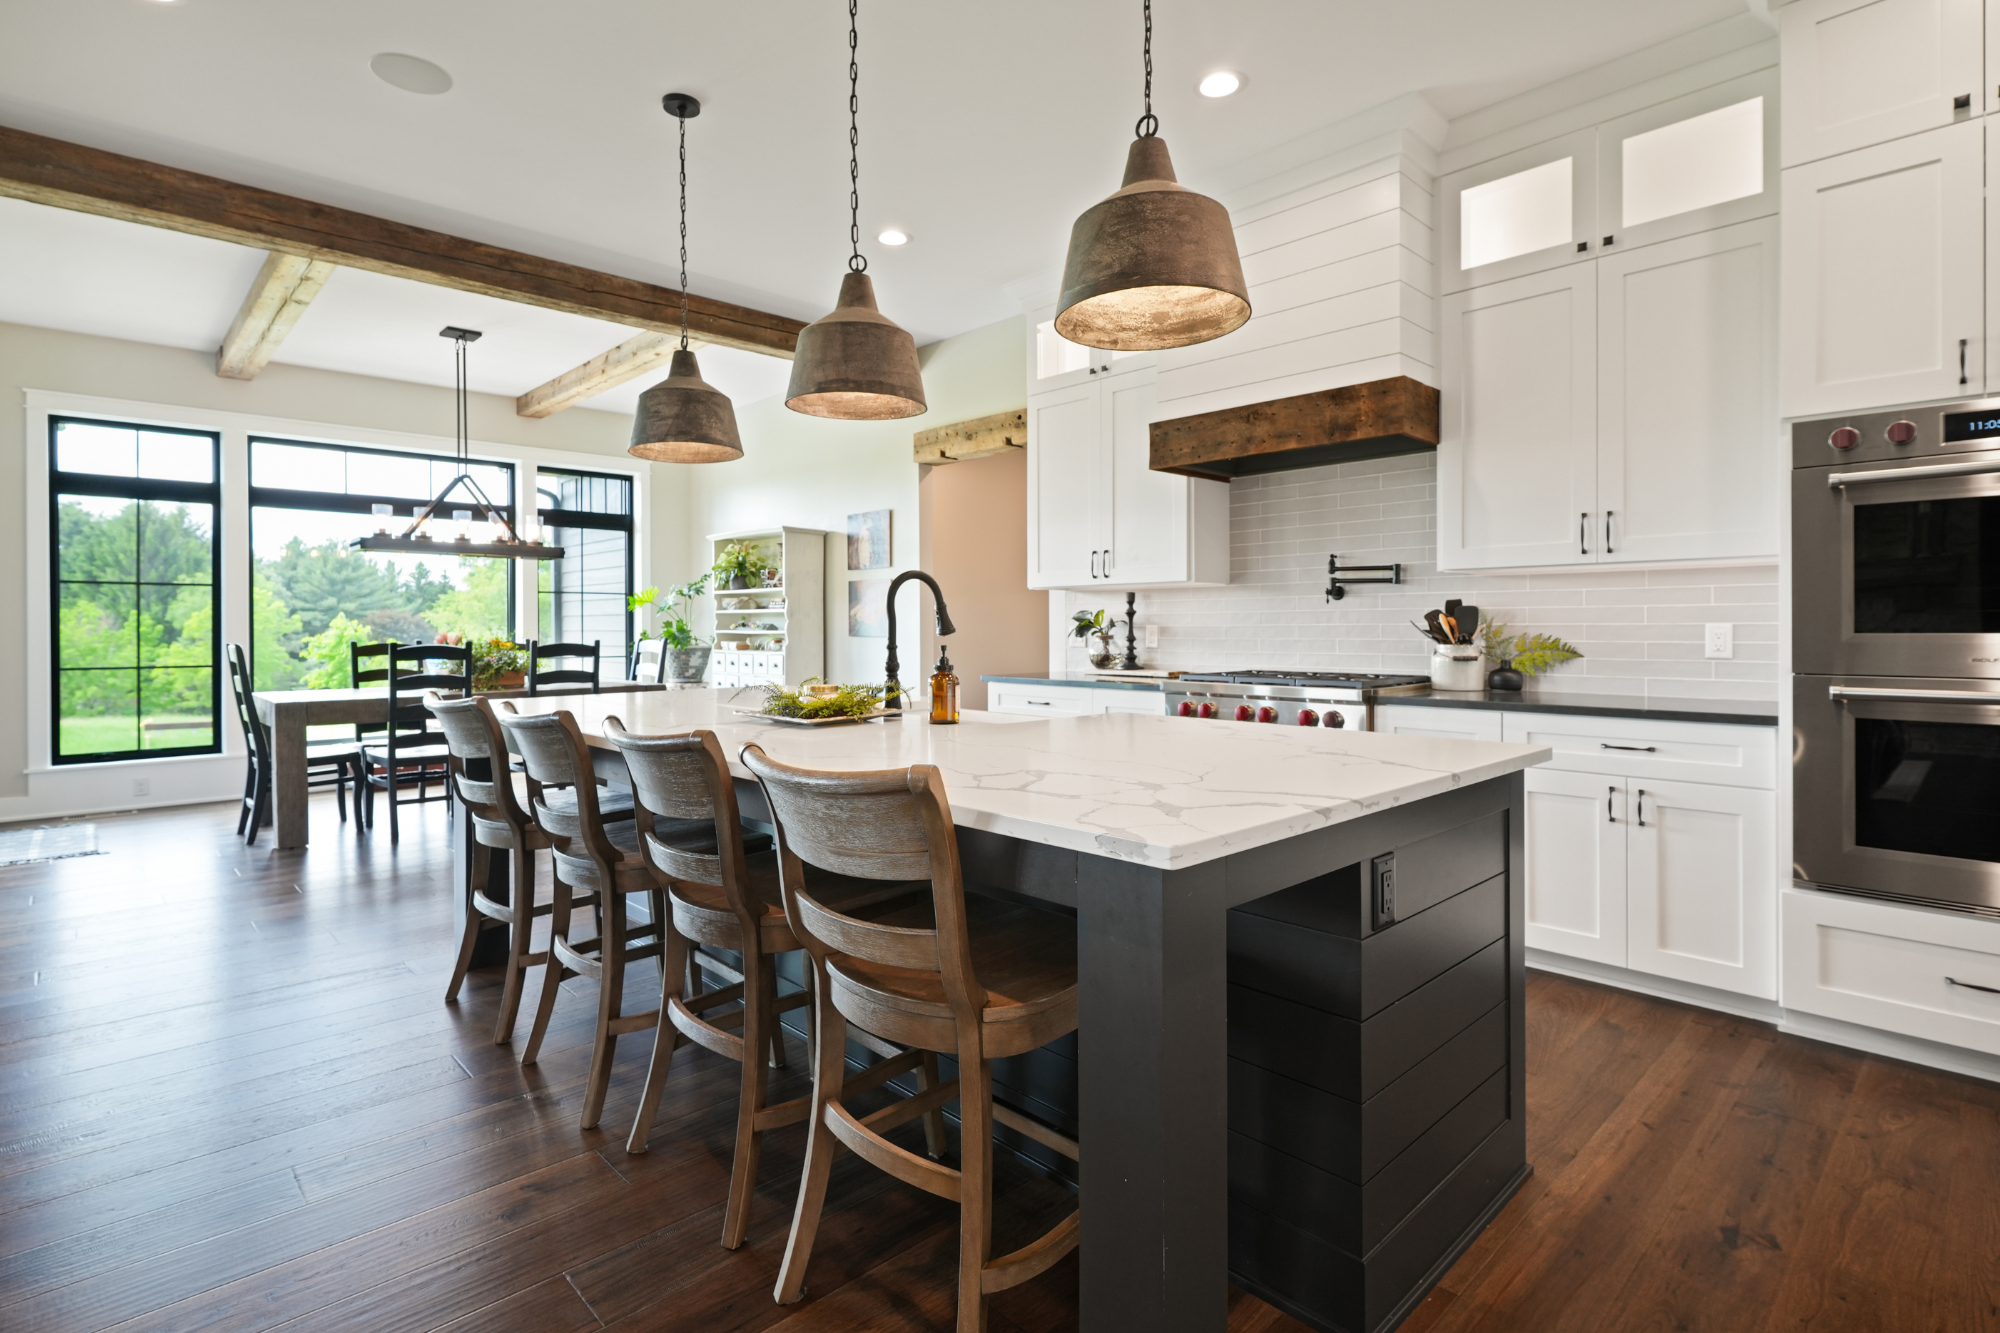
(1536,653)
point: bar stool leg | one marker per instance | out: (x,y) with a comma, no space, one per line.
(520,930)
(610,1003)
(552,969)
(975,1152)
(829,1072)
(469,940)
(927,1078)
(667,1039)
(759,1035)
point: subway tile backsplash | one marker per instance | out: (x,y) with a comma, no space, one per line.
(1640,630)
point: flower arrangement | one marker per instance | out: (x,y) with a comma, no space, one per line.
(493,660)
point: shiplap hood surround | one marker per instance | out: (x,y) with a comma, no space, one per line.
(1339,361)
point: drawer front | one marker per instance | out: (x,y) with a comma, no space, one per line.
(1131,701)
(1041,700)
(1909,970)
(1634,747)
(1456,724)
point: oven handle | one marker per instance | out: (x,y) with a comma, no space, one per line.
(1912,696)
(1836,480)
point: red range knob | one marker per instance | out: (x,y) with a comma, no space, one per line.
(1206,710)
(1333,719)
(1308,718)
(1901,432)
(1844,438)
(1267,715)
(1245,713)
(1187,708)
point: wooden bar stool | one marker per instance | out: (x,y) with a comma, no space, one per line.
(479,773)
(969,977)
(724,894)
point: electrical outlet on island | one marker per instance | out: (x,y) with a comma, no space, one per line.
(1719,641)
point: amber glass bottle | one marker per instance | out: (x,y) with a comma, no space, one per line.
(944,692)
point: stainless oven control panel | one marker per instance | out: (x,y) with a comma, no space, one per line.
(1907,433)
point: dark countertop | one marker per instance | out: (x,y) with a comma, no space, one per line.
(1732,712)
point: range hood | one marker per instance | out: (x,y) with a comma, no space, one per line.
(1345,425)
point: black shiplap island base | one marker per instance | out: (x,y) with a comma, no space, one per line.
(1299,1063)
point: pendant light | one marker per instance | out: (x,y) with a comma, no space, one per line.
(855,364)
(684,419)
(1153,265)
(413,539)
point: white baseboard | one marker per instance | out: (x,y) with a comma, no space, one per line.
(1793,1022)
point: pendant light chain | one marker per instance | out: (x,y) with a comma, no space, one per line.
(1149,124)
(684,234)
(461,410)
(857,261)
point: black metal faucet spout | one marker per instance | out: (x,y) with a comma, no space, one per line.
(894,693)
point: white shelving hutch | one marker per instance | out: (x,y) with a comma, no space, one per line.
(774,633)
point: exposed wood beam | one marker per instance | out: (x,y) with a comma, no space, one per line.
(1379,419)
(67,175)
(628,360)
(979,438)
(285,286)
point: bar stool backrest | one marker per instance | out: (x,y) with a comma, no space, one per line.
(685,777)
(472,735)
(553,752)
(889,824)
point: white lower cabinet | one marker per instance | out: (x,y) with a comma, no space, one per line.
(1911,970)
(1662,876)
(1452,724)
(1070,700)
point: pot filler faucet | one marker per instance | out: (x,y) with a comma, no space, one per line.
(891,666)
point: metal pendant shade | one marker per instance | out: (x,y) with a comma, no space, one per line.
(856,364)
(1153,265)
(684,419)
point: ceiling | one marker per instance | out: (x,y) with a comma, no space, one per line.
(985,129)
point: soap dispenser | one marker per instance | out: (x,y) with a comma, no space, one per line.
(944,691)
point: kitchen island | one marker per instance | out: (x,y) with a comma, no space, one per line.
(1299,1062)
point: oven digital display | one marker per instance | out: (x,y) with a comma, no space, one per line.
(1971,425)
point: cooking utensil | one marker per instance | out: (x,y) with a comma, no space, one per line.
(1468,622)
(1450,628)
(1435,620)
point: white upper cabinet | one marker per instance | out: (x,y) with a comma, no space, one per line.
(1517,437)
(1692,164)
(1884,293)
(1687,349)
(1864,72)
(1528,211)
(1054,362)
(1098,515)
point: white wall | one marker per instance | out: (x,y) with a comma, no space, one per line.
(812,473)
(184,381)
(1640,631)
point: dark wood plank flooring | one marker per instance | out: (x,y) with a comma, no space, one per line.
(231,1099)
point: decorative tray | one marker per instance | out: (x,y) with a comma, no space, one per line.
(763,716)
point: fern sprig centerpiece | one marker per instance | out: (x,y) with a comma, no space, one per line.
(1529,654)
(803,702)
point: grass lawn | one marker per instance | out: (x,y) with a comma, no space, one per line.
(118,735)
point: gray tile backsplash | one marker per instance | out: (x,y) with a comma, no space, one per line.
(1640,630)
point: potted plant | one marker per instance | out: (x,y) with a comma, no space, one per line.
(1521,655)
(1100,624)
(687,655)
(497,664)
(739,566)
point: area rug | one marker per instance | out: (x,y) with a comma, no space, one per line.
(54,843)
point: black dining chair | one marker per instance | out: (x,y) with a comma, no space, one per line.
(540,677)
(649,661)
(328,763)
(411,750)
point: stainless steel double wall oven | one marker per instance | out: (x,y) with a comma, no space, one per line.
(1896,653)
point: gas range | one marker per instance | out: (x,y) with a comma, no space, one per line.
(1344,700)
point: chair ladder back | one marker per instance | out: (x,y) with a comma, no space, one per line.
(539,652)
(255,737)
(686,777)
(360,677)
(649,661)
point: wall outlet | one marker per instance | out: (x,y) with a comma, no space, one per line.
(1718,641)
(1152,636)
(1382,870)
(142,786)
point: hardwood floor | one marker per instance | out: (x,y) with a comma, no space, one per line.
(231,1098)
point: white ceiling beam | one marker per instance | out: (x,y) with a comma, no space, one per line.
(628,360)
(285,286)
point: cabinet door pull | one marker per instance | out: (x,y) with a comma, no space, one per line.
(1609,817)
(1093,564)
(1972,985)
(1642,807)
(1961,360)
(1607,532)
(1107,562)
(1037,703)
(1583,534)
(1962,102)
(1641,749)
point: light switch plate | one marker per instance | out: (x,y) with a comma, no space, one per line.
(1719,641)
(1152,636)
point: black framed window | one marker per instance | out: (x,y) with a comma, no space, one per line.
(134,546)
(584,594)
(312,592)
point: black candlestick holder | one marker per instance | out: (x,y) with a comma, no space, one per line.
(1131,661)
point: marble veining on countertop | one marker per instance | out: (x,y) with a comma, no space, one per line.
(1159,791)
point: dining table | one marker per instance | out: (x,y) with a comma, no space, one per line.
(288,714)
(1148,830)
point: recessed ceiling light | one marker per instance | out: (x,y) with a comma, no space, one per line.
(894,237)
(412,74)
(1221,83)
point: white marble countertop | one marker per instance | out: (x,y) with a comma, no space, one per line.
(1167,792)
